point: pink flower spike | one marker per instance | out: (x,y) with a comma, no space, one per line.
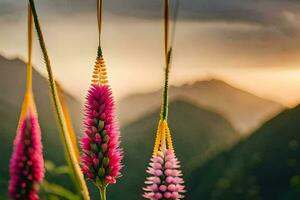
(101,154)
(27,163)
(164,182)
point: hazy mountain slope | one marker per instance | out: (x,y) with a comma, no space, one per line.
(265,166)
(244,110)
(12,75)
(196,132)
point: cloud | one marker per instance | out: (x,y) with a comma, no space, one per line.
(257,24)
(9,10)
(277,14)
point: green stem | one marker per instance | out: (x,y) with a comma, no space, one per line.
(102,193)
(164,109)
(65,136)
(99,51)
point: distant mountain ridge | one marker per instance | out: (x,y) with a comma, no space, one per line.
(204,130)
(243,109)
(266,166)
(197,134)
(200,132)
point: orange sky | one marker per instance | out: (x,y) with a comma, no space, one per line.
(243,54)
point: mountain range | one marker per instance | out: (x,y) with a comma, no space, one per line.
(265,166)
(244,110)
(206,120)
(206,132)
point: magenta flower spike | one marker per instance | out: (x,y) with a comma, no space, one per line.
(27,163)
(101,153)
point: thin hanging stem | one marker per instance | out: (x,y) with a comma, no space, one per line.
(166,28)
(164,112)
(174,24)
(28,99)
(99,19)
(69,149)
(168,52)
(29,62)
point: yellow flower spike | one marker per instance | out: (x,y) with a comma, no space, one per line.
(100,72)
(161,140)
(157,140)
(28,99)
(96,77)
(163,126)
(169,139)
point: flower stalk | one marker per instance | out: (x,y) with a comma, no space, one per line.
(165,177)
(65,136)
(103,193)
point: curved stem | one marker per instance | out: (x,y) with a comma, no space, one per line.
(69,149)
(68,120)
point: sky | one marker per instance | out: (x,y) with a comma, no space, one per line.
(251,44)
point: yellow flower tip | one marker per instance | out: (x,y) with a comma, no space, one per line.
(163,138)
(99,76)
(28,104)
(169,140)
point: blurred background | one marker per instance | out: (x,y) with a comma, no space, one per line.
(235,83)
